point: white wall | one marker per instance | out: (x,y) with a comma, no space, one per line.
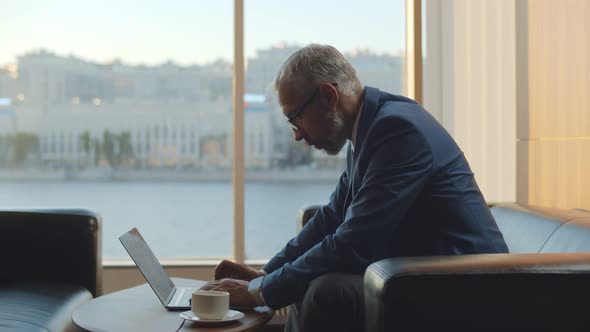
(470,85)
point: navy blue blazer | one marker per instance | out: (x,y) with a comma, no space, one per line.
(407,191)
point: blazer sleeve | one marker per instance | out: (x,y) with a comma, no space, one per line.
(400,162)
(324,222)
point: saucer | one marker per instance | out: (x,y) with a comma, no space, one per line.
(231,316)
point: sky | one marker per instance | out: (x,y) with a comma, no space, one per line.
(192,31)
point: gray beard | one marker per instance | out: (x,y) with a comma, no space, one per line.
(337,135)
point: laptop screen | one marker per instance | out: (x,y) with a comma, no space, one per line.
(148,264)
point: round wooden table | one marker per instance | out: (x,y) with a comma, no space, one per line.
(138,309)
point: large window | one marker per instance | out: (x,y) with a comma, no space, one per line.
(126,108)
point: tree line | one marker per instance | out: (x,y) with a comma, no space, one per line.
(22,149)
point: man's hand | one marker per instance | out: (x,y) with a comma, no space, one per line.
(229,269)
(237,289)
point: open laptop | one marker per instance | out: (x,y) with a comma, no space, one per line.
(172,297)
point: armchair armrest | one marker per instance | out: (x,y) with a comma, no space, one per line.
(55,245)
(489,292)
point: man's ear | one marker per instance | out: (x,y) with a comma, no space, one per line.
(328,95)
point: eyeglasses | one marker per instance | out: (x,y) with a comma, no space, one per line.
(293,116)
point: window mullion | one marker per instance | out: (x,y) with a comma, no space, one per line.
(413,66)
(238,173)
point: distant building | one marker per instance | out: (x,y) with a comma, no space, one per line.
(172,116)
(49,79)
(385,72)
(161,135)
(7,117)
(264,66)
(9,81)
(258,131)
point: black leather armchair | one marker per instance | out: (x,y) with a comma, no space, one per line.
(51,263)
(542,285)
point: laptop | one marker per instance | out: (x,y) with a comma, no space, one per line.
(172,297)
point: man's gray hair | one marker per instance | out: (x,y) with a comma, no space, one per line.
(314,64)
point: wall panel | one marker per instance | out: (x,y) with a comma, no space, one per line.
(554,121)
(470,86)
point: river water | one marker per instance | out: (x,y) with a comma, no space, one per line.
(178,219)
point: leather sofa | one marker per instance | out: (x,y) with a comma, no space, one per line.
(50,264)
(542,285)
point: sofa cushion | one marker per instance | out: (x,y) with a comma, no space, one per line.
(523,231)
(40,306)
(528,229)
(571,237)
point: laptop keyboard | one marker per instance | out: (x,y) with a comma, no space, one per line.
(186,297)
(182,297)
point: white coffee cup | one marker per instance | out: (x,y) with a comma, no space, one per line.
(210,304)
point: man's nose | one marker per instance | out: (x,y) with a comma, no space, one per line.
(298,134)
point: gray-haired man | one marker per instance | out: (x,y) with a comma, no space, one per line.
(407,191)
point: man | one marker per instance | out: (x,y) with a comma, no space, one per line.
(407,191)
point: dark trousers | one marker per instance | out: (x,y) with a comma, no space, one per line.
(333,302)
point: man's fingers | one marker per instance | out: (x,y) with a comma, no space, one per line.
(210,285)
(220,269)
(224,284)
(219,272)
(227,269)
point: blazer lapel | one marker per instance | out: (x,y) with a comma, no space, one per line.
(368,113)
(370,103)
